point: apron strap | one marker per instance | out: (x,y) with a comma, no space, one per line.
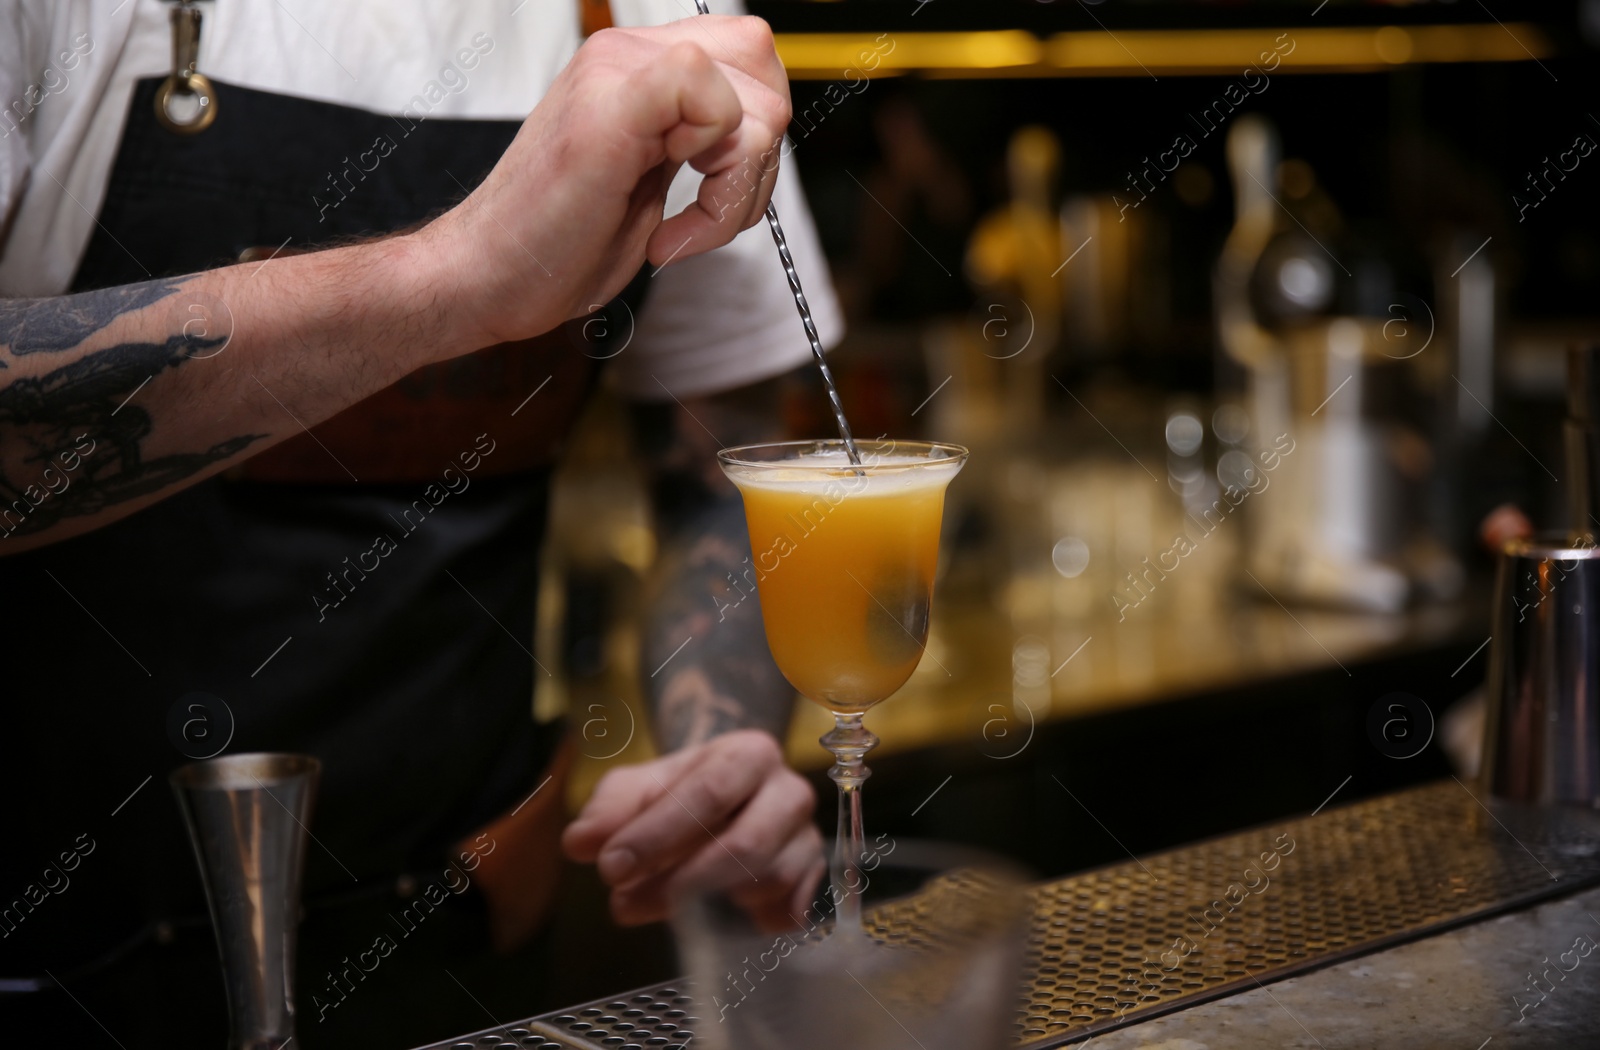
(593,16)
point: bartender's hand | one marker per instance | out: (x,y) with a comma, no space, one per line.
(723,814)
(574,207)
(1502,525)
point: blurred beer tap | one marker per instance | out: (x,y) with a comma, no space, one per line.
(1337,532)
(1582,433)
(1253,162)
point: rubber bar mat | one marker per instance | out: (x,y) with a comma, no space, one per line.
(1121,944)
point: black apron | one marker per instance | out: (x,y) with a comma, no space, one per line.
(414,689)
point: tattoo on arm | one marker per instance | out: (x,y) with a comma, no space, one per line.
(70,443)
(44,326)
(705,591)
(724,678)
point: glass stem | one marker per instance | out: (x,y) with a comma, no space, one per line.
(849,741)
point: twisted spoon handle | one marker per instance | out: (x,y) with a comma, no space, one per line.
(811,333)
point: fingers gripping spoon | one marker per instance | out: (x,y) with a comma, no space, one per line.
(805,315)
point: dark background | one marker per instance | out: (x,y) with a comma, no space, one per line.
(1407,155)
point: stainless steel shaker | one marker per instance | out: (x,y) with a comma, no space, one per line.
(1542,741)
(247,817)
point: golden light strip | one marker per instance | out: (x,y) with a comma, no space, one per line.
(1151,52)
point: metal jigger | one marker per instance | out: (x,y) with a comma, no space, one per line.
(247,817)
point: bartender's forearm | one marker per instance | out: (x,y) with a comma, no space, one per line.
(113,399)
(704,588)
(723,678)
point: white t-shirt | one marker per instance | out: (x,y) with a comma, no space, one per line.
(68,68)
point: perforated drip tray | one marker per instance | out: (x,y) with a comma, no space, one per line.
(652,1017)
(1125,943)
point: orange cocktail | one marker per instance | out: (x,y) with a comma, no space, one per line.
(844,557)
(844,562)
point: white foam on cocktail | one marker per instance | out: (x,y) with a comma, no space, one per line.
(882,474)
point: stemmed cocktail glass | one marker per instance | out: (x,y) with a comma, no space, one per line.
(844,559)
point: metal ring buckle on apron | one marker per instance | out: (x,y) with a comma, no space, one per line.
(184,79)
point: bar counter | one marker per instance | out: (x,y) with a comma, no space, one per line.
(1433,916)
(1457,990)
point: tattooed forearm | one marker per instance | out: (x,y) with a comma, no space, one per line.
(70,443)
(724,678)
(112,399)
